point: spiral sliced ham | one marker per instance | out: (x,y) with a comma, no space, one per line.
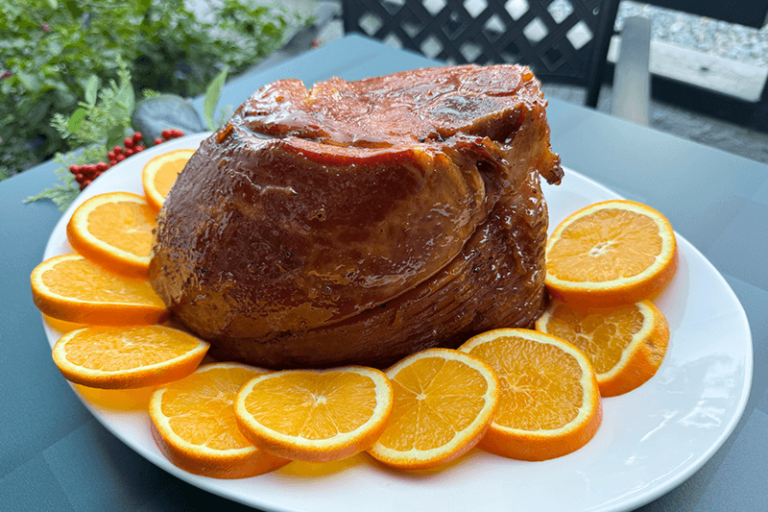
(358,222)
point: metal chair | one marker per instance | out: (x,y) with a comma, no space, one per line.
(564,41)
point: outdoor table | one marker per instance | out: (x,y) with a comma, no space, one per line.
(56,456)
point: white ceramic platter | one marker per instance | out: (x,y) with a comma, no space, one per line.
(650,441)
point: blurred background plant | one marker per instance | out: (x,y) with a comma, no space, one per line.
(53,51)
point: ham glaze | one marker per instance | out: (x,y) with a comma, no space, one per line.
(358,222)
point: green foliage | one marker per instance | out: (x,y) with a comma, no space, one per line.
(106,121)
(100,123)
(212,98)
(55,52)
(63,193)
(150,93)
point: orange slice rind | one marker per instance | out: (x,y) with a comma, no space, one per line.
(62,325)
(610,253)
(315,415)
(114,230)
(549,402)
(127,357)
(74,289)
(444,402)
(625,344)
(160,174)
(193,424)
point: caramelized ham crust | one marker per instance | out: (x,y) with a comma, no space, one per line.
(358,222)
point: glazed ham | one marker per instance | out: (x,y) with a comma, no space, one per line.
(358,222)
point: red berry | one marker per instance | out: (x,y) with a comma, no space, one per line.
(111,155)
(137,137)
(120,158)
(128,142)
(166,134)
(179,133)
(74,169)
(117,150)
(102,166)
(129,152)
(158,141)
(86,183)
(139,149)
(78,177)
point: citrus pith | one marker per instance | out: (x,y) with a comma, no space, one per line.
(609,254)
(444,402)
(114,230)
(550,403)
(127,357)
(72,288)
(315,415)
(160,174)
(626,344)
(193,424)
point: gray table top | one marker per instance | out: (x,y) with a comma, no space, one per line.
(56,456)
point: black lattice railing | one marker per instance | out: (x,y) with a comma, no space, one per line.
(561,40)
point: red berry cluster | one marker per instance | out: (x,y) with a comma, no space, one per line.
(132,146)
(86,173)
(168,135)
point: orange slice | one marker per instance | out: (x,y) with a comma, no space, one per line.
(315,415)
(74,289)
(193,424)
(160,174)
(61,325)
(550,403)
(626,344)
(444,402)
(114,230)
(127,357)
(609,254)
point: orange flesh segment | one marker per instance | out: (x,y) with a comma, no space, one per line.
(112,349)
(540,384)
(125,225)
(601,335)
(79,279)
(166,176)
(421,390)
(200,410)
(313,406)
(585,251)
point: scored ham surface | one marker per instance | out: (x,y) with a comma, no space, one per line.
(358,222)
